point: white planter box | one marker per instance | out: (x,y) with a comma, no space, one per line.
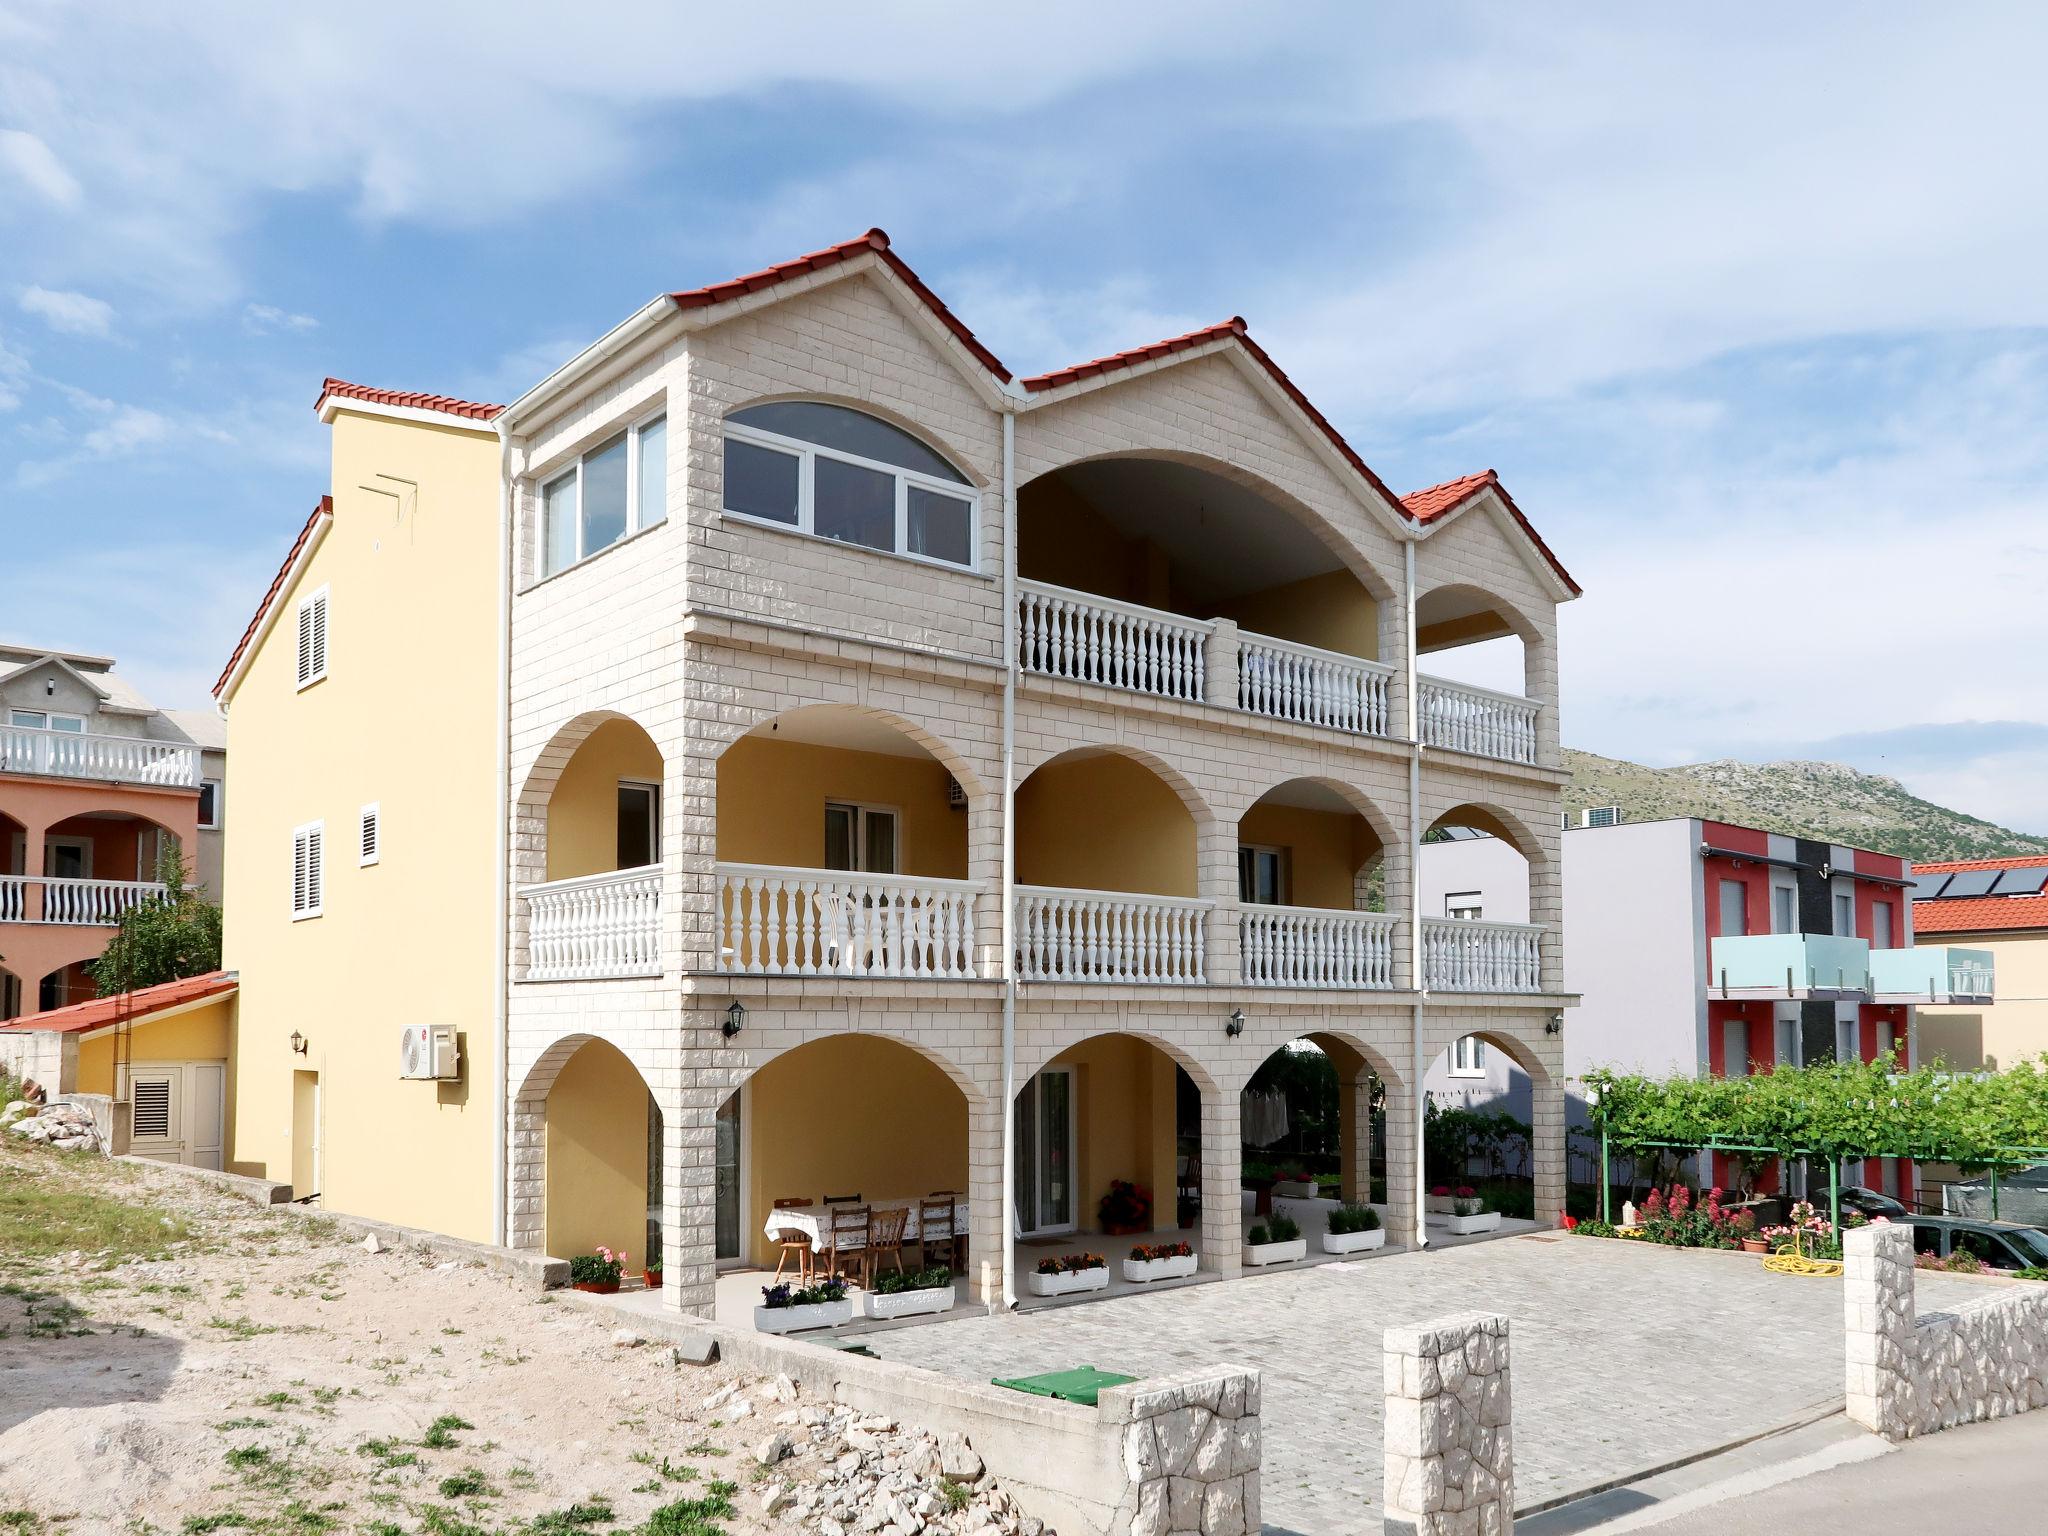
(1258,1254)
(1461,1226)
(907,1303)
(825,1314)
(1437,1205)
(1069,1284)
(1296,1189)
(1143,1271)
(1354,1242)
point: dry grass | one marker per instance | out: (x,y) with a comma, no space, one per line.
(57,1202)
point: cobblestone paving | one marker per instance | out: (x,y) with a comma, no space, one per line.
(1623,1358)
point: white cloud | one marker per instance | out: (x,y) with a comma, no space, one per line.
(268,319)
(75,314)
(32,164)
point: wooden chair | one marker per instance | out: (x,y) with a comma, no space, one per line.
(842,1200)
(791,1241)
(885,1236)
(847,1238)
(935,1227)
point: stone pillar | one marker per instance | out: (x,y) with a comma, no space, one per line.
(1222,1239)
(1404,1209)
(710,1072)
(1355,1136)
(985,1197)
(1547,1146)
(985,863)
(1880,1343)
(1216,881)
(1219,665)
(1450,1464)
(1190,1447)
(1397,887)
(32,898)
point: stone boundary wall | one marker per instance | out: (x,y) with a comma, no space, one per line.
(1191,1449)
(48,1056)
(1450,1463)
(1910,1375)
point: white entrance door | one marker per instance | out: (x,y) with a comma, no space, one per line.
(176,1111)
(1045,1152)
(206,1084)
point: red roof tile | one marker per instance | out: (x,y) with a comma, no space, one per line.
(134,1006)
(875,241)
(325,508)
(447,405)
(1039,382)
(1426,506)
(1979,914)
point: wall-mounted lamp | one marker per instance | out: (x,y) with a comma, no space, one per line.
(49,687)
(298,1043)
(1554,1025)
(735,1018)
(1234,1025)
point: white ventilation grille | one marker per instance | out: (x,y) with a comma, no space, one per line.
(150,1098)
(313,638)
(369,835)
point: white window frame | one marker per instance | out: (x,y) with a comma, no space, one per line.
(84,847)
(652,789)
(807,454)
(48,719)
(862,811)
(323,618)
(218,788)
(1468,1056)
(304,835)
(370,834)
(1465,906)
(1283,871)
(631,432)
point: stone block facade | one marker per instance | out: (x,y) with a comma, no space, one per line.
(1449,1435)
(1190,1450)
(1909,1375)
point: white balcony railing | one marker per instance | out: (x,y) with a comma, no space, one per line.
(1305,947)
(1090,639)
(1463,956)
(1066,935)
(1478,720)
(816,922)
(1312,687)
(89,755)
(84,903)
(595,926)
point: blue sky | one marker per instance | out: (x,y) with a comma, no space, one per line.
(1745,306)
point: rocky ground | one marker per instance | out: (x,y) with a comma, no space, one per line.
(197,1364)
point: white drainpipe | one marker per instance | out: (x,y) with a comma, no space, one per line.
(1009,877)
(1415,829)
(501,1001)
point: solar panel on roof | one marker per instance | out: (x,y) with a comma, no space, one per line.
(1927,887)
(1972,882)
(2022,882)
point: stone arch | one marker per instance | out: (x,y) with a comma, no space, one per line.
(1114,818)
(1191,796)
(528,1174)
(536,790)
(1522,624)
(1492,817)
(1382,825)
(1054,1037)
(881,411)
(755,1058)
(949,756)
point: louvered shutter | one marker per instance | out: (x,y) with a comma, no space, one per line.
(370,831)
(150,1108)
(313,638)
(306,870)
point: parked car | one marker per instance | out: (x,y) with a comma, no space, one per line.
(2000,1244)
(1870,1202)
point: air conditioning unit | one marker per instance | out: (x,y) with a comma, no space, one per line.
(1600,816)
(428,1051)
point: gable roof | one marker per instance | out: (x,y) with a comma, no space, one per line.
(1979,914)
(53,659)
(135,1007)
(1435,503)
(405,399)
(322,512)
(875,242)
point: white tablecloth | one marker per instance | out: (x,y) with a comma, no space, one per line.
(816,1224)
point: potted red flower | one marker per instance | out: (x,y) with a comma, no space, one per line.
(598,1272)
(1127,1208)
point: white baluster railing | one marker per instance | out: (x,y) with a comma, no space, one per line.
(13,898)
(1478,720)
(1312,687)
(1090,639)
(1067,935)
(91,902)
(595,926)
(774,921)
(1970,979)
(1463,956)
(89,755)
(1308,947)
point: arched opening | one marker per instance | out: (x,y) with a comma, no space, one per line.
(604,811)
(1479,675)
(602,1165)
(1479,1135)
(1312,1118)
(1307,851)
(12,995)
(842,849)
(1106,871)
(1475,886)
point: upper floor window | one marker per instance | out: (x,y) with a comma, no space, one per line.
(1734,908)
(1262,876)
(309,874)
(1464,905)
(43,720)
(209,805)
(617,488)
(312,663)
(1468,1057)
(1784,909)
(1880,925)
(1845,915)
(838,474)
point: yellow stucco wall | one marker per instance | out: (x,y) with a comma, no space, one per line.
(1331,611)
(1124,1100)
(583,812)
(407,717)
(858,1114)
(199,1035)
(2014,1027)
(1104,823)
(1325,850)
(772,794)
(597,1156)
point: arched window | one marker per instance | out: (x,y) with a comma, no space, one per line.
(840,474)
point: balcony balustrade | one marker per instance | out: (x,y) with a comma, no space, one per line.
(84,903)
(90,755)
(1790,966)
(1284,681)
(1934,973)
(1089,639)
(1308,947)
(1478,720)
(595,926)
(1464,956)
(1109,936)
(813,922)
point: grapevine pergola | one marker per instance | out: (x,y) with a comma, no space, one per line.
(1833,1110)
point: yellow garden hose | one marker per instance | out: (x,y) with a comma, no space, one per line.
(1799,1264)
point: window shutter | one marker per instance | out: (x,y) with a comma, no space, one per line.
(305,644)
(306,870)
(313,881)
(369,832)
(150,1107)
(298,873)
(313,638)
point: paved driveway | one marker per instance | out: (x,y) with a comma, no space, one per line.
(1624,1357)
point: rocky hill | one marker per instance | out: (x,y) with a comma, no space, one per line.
(1821,800)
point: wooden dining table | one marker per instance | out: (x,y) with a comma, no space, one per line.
(815,1221)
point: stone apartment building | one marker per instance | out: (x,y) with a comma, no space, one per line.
(792,756)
